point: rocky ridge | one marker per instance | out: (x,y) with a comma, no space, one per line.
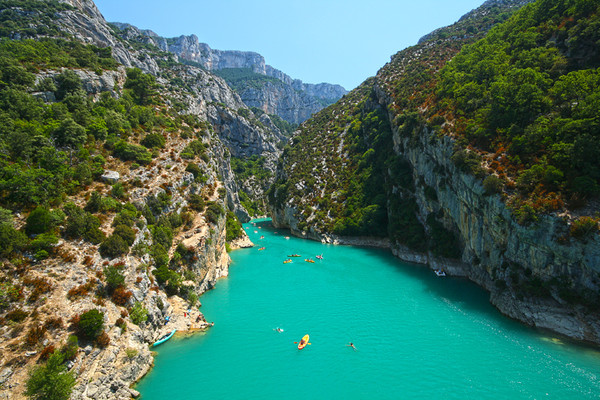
(108,372)
(529,270)
(291,99)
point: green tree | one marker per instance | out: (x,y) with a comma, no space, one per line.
(70,134)
(138,313)
(114,246)
(38,221)
(114,278)
(142,85)
(51,381)
(91,324)
(68,82)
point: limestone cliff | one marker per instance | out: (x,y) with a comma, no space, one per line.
(201,123)
(376,167)
(290,99)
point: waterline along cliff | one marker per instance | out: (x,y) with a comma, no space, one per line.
(470,155)
(129,160)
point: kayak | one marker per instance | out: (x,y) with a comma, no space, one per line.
(164,338)
(303,342)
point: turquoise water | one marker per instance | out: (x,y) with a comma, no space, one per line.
(417,336)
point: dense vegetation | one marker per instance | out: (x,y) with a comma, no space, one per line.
(353,149)
(528,96)
(30,18)
(242,78)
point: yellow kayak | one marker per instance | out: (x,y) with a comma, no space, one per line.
(303,342)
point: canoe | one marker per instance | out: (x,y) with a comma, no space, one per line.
(164,338)
(294,255)
(310,260)
(287,261)
(303,342)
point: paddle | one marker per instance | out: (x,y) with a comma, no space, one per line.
(297,343)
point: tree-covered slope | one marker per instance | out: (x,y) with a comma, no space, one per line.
(117,197)
(475,151)
(335,172)
(527,97)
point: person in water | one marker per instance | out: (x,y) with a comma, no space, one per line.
(278,329)
(351,345)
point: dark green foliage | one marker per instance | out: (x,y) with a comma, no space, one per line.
(97,203)
(530,88)
(196,202)
(234,227)
(91,324)
(213,211)
(468,161)
(285,127)
(153,140)
(11,239)
(584,227)
(492,184)
(242,78)
(443,242)
(162,233)
(70,348)
(81,224)
(252,166)
(50,381)
(38,221)
(57,53)
(131,152)
(252,207)
(128,216)
(114,246)
(195,148)
(68,83)
(160,256)
(404,225)
(43,242)
(114,278)
(138,313)
(143,86)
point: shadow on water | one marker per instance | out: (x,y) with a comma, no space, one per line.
(458,291)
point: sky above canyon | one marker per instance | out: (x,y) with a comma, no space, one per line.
(332,41)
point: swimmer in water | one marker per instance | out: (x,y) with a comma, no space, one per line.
(351,345)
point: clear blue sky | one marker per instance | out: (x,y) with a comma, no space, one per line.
(332,41)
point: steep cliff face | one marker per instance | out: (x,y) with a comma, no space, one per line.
(173,204)
(290,99)
(515,263)
(373,160)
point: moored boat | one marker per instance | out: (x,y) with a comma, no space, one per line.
(164,338)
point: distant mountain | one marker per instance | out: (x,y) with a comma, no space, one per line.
(258,84)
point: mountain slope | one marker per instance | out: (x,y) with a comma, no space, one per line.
(407,157)
(117,196)
(258,84)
